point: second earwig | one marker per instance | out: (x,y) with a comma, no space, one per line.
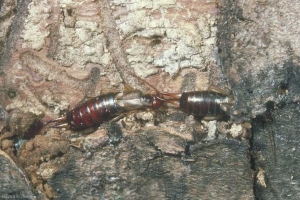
(211,104)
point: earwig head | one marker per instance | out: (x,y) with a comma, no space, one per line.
(157,100)
(153,101)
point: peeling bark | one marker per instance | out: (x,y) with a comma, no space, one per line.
(56,54)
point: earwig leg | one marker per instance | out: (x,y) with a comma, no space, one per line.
(60,119)
(117,118)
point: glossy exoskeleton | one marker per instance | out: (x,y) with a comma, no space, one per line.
(104,108)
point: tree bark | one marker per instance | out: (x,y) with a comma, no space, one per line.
(56,54)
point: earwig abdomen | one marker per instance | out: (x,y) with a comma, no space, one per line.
(93,112)
(203,103)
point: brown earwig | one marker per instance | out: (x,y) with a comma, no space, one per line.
(108,106)
(104,108)
(211,104)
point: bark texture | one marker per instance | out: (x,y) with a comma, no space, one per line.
(56,54)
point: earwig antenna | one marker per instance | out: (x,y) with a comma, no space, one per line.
(173,97)
(167,100)
(140,79)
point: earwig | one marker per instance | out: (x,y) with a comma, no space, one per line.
(207,104)
(104,108)
(211,104)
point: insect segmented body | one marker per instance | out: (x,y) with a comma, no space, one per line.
(211,104)
(207,104)
(94,111)
(104,108)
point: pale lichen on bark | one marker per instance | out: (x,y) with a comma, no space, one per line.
(185,36)
(68,50)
